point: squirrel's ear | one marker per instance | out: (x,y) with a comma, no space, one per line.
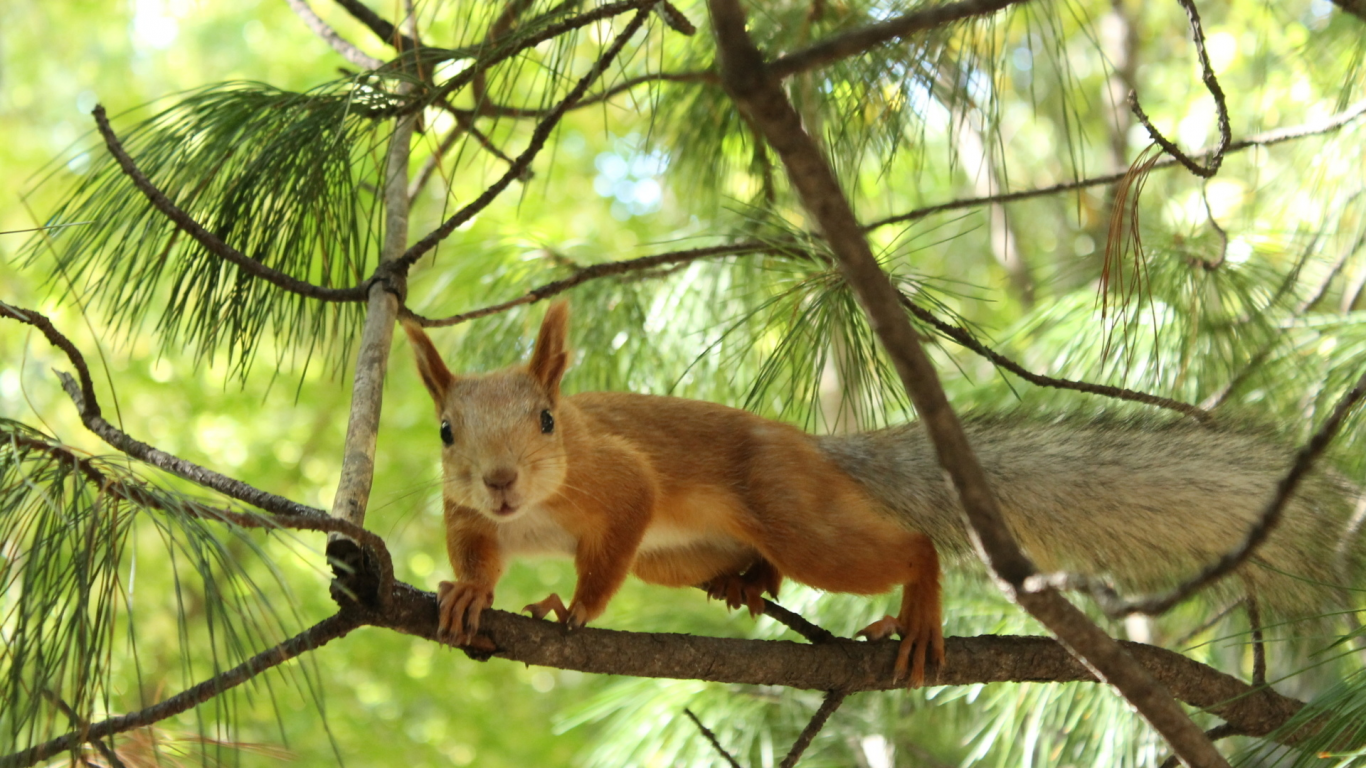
(550,358)
(434,372)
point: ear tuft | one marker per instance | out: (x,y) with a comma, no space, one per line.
(435,375)
(550,357)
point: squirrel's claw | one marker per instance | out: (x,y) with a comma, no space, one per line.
(574,616)
(918,637)
(459,607)
(746,589)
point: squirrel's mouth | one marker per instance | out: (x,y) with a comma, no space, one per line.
(504,509)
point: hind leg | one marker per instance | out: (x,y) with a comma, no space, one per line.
(920,622)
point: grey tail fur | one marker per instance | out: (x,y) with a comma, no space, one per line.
(1144,503)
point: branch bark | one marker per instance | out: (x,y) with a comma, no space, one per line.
(757,93)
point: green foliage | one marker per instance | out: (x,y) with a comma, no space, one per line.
(1247,286)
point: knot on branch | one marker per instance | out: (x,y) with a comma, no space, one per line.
(393,276)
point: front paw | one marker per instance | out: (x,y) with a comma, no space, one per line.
(574,616)
(459,607)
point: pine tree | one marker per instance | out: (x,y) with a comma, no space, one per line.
(1079,208)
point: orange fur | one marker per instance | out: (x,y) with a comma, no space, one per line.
(679,492)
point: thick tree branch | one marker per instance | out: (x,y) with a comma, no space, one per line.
(83,395)
(210,241)
(841,664)
(759,95)
(314,637)
(372,359)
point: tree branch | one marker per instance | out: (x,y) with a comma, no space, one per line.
(842,664)
(966,339)
(382,28)
(757,93)
(832,702)
(538,139)
(865,38)
(1216,158)
(210,241)
(83,395)
(139,494)
(711,737)
(1265,139)
(313,637)
(1270,517)
(581,276)
(329,35)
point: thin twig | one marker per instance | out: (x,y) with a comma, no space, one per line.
(1218,732)
(1265,139)
(709,77)
(1254,620)
(139,494)
(1216,158)
(210,241)
(430,165)
(966,339)
(711,737)
(78,722)
(832,702)
(83,394)
(1113,605)
(538,139)
(798,623)
(308,640)
(852,43)
(761,96)
(584,275)
(382,28)
(329,35)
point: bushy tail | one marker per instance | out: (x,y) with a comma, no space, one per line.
(1144,503)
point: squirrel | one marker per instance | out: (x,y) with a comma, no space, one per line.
(690,493)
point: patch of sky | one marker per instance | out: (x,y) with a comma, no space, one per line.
(630,176)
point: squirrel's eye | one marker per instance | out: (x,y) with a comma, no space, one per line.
(446,436)
(547,422)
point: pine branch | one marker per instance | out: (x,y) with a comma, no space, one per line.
(1216,158)
(581,276)
(538,139)
(711,737)
(841,664)
(383,29)
(758,94)
(82,393)
(329,35)
(189,226)
(1265,524)
(313,637)
(832,702)
(864,39)
(142,496)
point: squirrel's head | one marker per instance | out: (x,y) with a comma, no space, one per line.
(502,444)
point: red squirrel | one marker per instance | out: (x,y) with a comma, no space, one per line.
(679,492)
(683,492)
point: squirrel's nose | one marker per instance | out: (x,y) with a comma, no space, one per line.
(500,479)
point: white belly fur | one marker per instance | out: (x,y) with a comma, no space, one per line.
(536,532)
